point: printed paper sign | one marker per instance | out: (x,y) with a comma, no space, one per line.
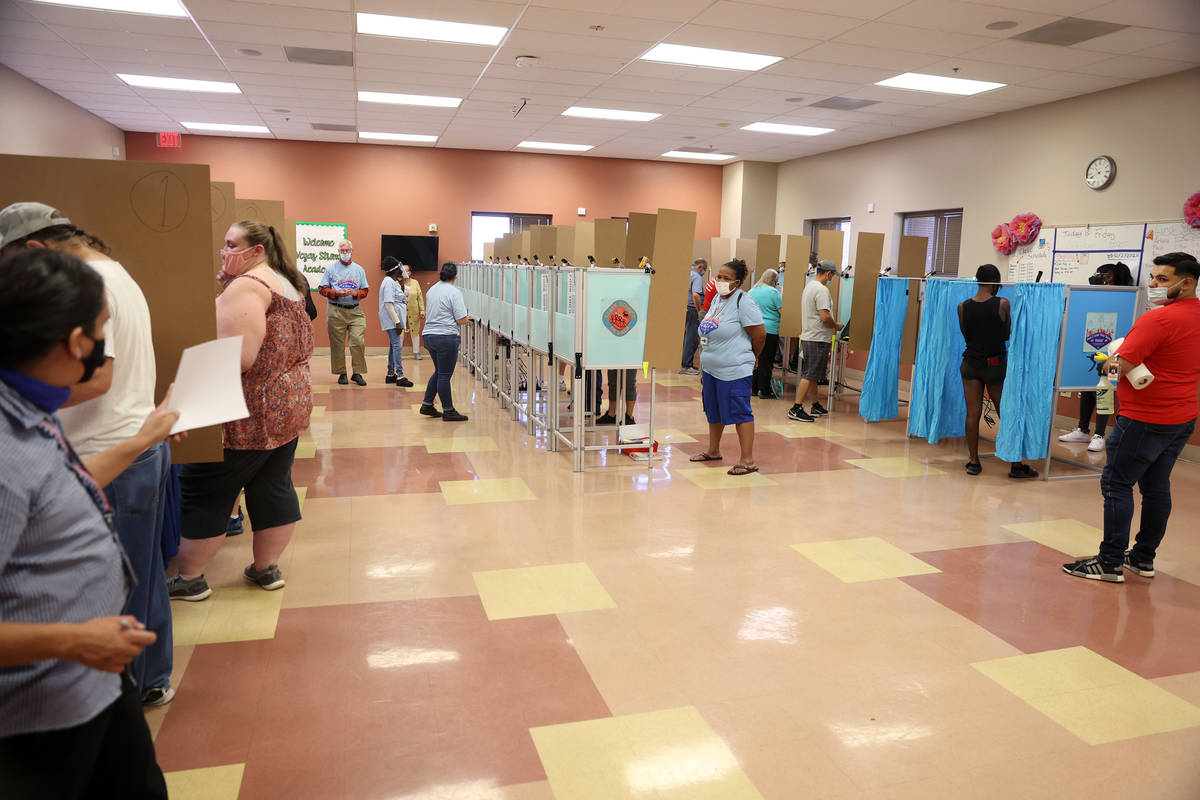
(620,318)
(1100,329)
(317,248)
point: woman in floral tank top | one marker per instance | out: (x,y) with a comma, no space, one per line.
(263,302)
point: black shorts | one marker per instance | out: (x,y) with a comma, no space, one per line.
(208,491)
(989,370)
(816,360)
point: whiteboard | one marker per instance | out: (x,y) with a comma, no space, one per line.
(1094,238)
(1167,237)
(1028,260)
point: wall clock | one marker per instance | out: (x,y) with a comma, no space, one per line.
(1100,172)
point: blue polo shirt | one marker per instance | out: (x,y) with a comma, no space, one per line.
(344,276)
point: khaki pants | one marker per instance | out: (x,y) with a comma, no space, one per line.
(341,321)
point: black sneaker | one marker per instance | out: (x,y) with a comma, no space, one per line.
(390,379)
(158,696)
(817,410)
(798,414)
(630,420)
(607,419)
(453,416)
(1095,569)
(428,410)
(768,395)
(179,588)
(359,379)
(234,526)
(270,578)
(343,380)
(1143,568)
(404,382)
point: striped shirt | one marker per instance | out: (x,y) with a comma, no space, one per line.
(60,561)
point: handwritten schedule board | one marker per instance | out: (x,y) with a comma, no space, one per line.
(1071,255)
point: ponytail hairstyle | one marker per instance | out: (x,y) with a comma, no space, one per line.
(47,295)
(64,237)
(739,268)
(276,250)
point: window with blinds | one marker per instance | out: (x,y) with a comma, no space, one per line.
(943,229)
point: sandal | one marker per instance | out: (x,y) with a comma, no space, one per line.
(974,468)
(741,469)
(1021,471)
(704,457)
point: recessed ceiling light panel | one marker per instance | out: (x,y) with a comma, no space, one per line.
(708,57)
(221,126)
(571,148)
(410,99)
(156,8)
(698,156)
(793,130)
(179,84)
(430,30)
(398,137)
(938,83)
(610,113)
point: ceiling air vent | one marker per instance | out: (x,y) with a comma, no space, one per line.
(843,103)
(315,55)
(329,126)
(1071,30)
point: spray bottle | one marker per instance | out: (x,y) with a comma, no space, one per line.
(1104,387)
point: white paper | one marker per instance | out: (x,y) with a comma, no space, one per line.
(208,385)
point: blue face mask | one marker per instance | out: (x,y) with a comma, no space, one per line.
(346,257)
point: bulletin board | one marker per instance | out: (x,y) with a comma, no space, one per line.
(791,321)
(639,241)
(617,317)
(157,218)
(1071,254)
(224,214)
(1096,313)
(610,242)
(585,244)
(868,258)
(674,233)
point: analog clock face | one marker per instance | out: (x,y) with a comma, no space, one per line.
(1100,172)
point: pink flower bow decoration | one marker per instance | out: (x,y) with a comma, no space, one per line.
(1025,227)
(1002,239)
(1191,210)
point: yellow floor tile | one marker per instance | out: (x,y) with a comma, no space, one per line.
(231,614)
(716,478)
(1068,536)
(485,490)
(867,559)
(318,411)
(208,783)
(671,754)
(672,436)
(301,494)
(895,467)
(1095,699)
(306,449)
(534,591)
(678,380)
(320,388)
(799,431)
(461,444)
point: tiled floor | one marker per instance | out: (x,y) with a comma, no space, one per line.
(468,619)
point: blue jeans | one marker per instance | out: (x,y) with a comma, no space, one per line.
(691,336)
(1141,453)
(443,350)
(138,497)
(395,351)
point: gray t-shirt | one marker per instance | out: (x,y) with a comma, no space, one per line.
(728,352)
(444,306)
(817,297)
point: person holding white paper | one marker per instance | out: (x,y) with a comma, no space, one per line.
(263,302)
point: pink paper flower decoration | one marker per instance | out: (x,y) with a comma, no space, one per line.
(1002,239)
(1191,210)
(1025,227)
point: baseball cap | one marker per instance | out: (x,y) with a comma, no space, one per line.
(826,266)
(21,219)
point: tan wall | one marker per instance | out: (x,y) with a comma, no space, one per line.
(40,123)
(1027,160)
(748,194)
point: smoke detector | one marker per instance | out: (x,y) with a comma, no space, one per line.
(527,61)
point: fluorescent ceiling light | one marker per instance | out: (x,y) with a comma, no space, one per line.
(430,30)
(938,83)
(708,57)
(158,8)
(698,156)
(794,130)
(610,113)
(574,148)
(219,126)
(410,99)
(398,137)
(180,84)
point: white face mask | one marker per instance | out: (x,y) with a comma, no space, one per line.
(346,257)
(1158,295)
(724,288)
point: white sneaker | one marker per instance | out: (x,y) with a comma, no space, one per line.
(1076,435)
(1096,444)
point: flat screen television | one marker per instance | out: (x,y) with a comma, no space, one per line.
(418,252)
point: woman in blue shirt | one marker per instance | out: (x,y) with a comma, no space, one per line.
(445,311)
(393,315)
(732,335)
(767,294)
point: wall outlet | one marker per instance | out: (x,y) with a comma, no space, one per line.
(870,208)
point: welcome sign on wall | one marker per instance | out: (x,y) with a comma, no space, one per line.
(317,247)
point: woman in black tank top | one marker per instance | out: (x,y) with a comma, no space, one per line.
(985,321)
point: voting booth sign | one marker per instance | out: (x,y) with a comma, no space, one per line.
(616,306)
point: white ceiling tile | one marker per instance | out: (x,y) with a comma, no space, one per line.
(1063,8)
(1130,40)
(822,70)
(276,35)
(617,97)
(56,48)
(535,42)
(561,20)
(1184,49)
(531,89)
(959,17)
(675,10)
(986,71)
(14,12)
(1171,15)
(554,61)
(540,75)
(1032,54)
(36,60)
(714,104)
(189,42)
(26,30)
(859,9)
(918,40)
(262,14)
(736,16)
(883,58)
(1075,82)
(410,48)
(216,73)
(770,44)
(800,86)
(1136,67)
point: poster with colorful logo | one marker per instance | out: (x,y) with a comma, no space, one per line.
(1100,329)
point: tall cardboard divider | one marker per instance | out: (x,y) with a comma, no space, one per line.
(746,250)
(639,241)
(489,249)
(268,211)
(722,251)
(867,260)
(702,248)
(542,239)
(911,264)
(766,254)
(790,320)
(157,218)
(564,244)
(674,236)
(224,214)
(525,245)
(585,244)
(610,242)
(829,246)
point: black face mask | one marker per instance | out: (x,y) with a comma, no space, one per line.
(93,361)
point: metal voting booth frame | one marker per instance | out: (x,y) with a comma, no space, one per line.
(521,315)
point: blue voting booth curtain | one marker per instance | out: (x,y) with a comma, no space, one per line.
(1028,401)
(939,407)
(881,384)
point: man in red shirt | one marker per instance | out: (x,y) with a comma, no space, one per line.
(1153,424)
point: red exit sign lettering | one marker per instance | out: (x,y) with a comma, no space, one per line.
(170,139)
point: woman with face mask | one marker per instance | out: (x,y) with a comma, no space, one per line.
(416,310)
(71,721)
(732,335)
(263,303)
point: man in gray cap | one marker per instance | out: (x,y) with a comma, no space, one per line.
(816,338)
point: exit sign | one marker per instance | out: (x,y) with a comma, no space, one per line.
(170,139)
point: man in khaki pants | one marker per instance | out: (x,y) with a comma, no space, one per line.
(344,285)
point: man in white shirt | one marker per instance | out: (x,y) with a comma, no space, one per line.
(816,340)
(107,410)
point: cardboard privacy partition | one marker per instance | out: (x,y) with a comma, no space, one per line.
(722,251)
(639,241)
(564,246)
(829,246)
(790,320)
(702,248)
(525,244)
(674,235)
(911,264)
(585,244)
(269,212)
(157,219)
(867,260)
(489,249)
(610,242)
(746,250)
(542,239)
(766,254)
(224,214)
